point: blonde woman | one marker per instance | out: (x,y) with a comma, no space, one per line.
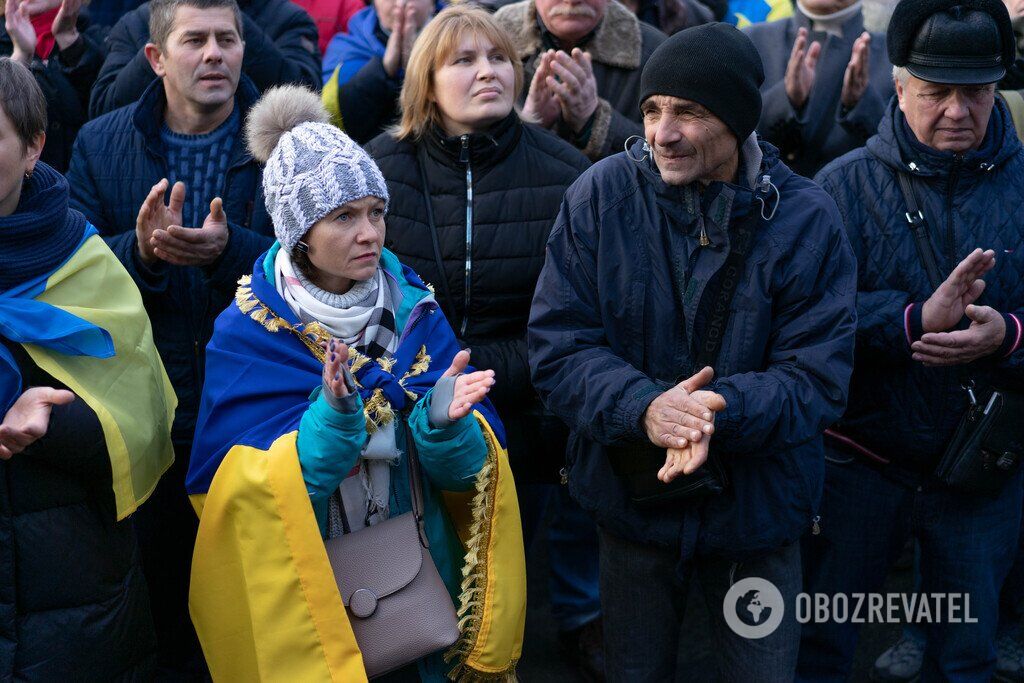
(474,192)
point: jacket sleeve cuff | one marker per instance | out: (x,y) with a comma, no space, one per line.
(601,123)
(1013,337)
(634,413)
(728,421)
(912,327)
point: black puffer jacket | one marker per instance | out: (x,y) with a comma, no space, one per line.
(495,242)
(280,47)
(73,602)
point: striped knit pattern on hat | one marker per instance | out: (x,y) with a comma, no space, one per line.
(314,169)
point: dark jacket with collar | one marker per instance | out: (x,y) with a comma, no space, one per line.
(518,174)
(898,408)
(65,79)
(73,602)
(821,131)
(117,160)
(280,47)
(609,331)
(619,47)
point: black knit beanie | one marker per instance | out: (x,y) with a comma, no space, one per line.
(715,65)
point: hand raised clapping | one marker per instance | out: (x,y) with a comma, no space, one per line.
(469,389)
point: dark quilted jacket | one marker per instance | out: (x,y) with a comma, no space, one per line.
(519,173)
(116,161)
(280,47)
(73,604)
(898,408)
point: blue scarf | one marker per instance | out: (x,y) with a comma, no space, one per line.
(35,241)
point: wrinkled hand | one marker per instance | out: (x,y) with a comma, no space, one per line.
(336,356)
(403,34)
(65,24)
(575,87)
(190,247)
(945,307)
(687,460)
(983,338)
(676,418)
(469,389)
(542,106)
(801,70)
(19,27)
(855,80)
(155,215)
(28,419)
(34,7)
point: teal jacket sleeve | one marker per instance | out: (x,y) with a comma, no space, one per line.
(451,456)
(329,443)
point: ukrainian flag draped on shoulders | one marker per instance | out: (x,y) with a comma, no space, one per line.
(263,595)
(70,303)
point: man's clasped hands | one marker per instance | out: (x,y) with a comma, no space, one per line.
(682,420)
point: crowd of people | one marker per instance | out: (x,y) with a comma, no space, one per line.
(317,318)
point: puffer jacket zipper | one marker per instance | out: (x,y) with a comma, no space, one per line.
(464,158)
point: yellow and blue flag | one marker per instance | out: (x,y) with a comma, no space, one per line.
(84,323)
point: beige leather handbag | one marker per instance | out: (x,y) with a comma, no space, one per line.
(399,607)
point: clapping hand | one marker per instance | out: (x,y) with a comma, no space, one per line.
(855,80)
(801,70)
(542,105)
(190,247)
(335,358)
(688,459)
(983,338)
(19,27)
(947,305)
(403,34)
(469,389)
(575,87)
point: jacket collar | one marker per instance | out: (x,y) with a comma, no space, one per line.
(716,205)
(617,42)
(148,116)
(482,149)
(896,146)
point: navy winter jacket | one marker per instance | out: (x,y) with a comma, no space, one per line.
(609,331)
(898,408)
(280,47)
(116,161)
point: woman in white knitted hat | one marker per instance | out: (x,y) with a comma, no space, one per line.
(333,366)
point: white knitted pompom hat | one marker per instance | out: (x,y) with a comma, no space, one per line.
(310,166)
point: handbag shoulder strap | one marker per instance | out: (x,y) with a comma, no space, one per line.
(919,227)
(415,481)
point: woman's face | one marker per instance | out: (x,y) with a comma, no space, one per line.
(345,245)
(474,87)
(15,161)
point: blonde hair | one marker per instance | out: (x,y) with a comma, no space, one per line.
(435,44)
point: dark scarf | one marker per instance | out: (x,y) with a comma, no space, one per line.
(42,232)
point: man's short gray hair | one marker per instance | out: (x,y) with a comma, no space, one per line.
(161,16)
(901,74)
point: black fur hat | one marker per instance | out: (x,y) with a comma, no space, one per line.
(952,41)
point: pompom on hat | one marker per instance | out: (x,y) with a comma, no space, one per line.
(310,166)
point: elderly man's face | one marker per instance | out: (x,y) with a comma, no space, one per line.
(571,20)
(949,118)
(688,142)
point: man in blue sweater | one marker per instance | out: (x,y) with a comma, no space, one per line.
(185,251)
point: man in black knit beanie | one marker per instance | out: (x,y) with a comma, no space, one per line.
(694,326)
